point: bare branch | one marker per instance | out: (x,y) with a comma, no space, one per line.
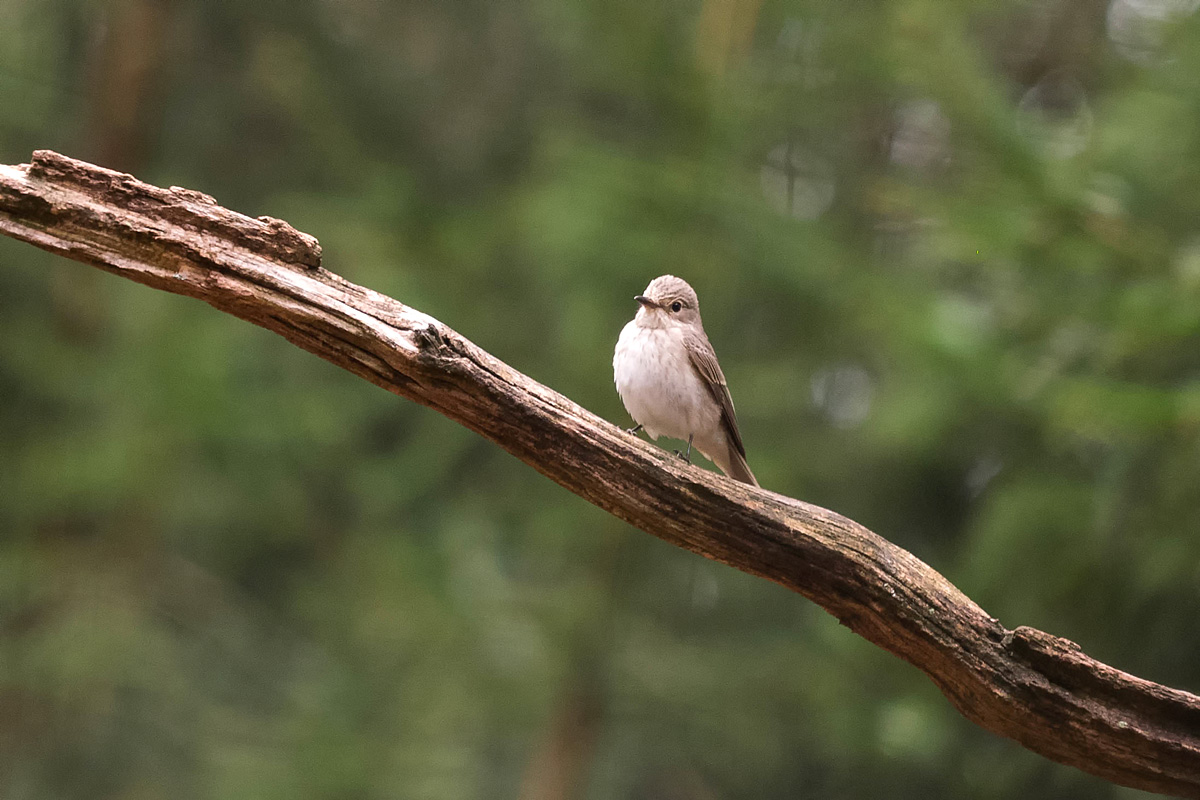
(1037,689)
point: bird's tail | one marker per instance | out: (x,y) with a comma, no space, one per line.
(737,468)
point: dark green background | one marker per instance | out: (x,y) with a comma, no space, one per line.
(229,570)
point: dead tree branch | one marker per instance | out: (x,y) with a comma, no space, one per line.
(1037,689)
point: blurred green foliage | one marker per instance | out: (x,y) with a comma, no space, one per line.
(948,252)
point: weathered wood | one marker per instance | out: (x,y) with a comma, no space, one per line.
(1037,689)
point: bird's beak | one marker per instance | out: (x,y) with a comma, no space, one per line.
(646,301)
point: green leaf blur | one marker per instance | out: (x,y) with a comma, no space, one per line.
(947,250)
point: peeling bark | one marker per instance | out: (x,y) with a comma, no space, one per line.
(1040,690)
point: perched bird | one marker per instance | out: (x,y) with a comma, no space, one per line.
(669,379)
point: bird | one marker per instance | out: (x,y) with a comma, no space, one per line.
(669,380)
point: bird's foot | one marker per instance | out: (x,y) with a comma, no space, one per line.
(687,457)
(634,429)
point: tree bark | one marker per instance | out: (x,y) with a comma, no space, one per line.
(1038,689)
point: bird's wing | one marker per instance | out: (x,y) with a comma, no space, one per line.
(704,361)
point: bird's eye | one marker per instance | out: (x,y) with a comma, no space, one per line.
(677,306)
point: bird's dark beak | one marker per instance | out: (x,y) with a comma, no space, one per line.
(646,301)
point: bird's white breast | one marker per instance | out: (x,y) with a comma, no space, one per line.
(659,386)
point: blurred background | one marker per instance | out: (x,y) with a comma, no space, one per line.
(947,250)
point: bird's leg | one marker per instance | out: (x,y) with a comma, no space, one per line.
(634,429)
(687,457)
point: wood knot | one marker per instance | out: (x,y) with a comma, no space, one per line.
(293,245)
(437,343)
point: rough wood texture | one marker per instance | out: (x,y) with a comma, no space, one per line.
(1037,689)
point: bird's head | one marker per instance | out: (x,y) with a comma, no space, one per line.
(668,301)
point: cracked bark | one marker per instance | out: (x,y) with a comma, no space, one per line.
(1037,689)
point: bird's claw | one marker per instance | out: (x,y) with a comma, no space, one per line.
(634,429)
(687,457)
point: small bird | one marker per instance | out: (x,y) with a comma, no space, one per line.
(669,379)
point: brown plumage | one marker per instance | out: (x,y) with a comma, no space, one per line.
(670,382)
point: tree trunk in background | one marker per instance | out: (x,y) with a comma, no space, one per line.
(126,68)
(725,32)
(562,759)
